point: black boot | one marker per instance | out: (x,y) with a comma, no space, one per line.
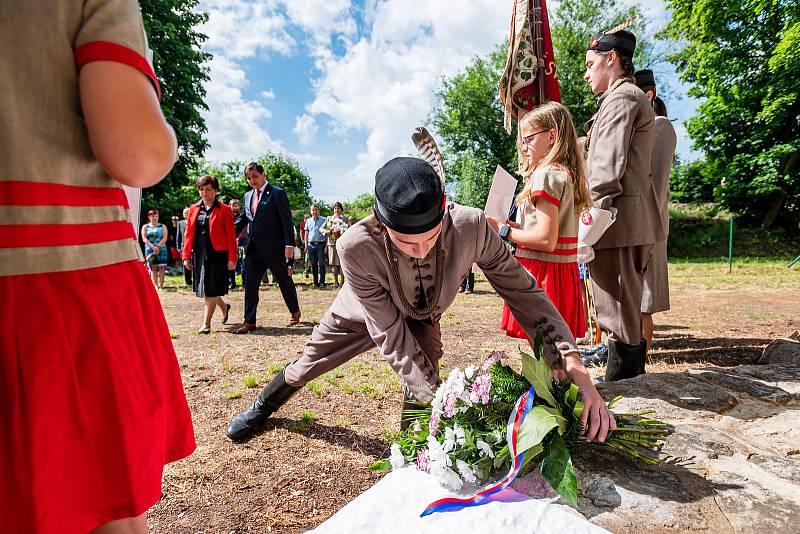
(273,396)
(623,360)
(409,403)
(642,356)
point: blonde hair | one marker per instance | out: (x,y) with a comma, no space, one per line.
(565,152)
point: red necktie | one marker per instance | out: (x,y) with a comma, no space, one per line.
(254,204)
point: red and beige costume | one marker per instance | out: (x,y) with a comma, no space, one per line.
(91,401)
(555,271)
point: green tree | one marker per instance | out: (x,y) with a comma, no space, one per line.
(180,67)
(469,121)
(743,58)
(573,24)
(692,181)
(468,117)
(360,207)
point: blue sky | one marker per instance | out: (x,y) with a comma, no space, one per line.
(340,84)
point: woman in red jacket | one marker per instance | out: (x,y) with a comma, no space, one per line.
(210,249)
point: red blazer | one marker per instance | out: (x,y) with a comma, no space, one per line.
(223,234)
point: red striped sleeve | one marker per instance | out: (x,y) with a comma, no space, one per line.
(545,195)
(108,51)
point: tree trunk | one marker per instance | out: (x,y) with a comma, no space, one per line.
(774,209)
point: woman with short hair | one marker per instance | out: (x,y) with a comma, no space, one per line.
(154,235)
(210,249)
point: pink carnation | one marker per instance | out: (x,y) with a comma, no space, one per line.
(422,460)
(450,405)
(480,389)
(492,359)
(433,424)
(417,428)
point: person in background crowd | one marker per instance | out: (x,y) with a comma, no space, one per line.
(210,250)
(468,285)
(180,239)
(402,270)
(546,226)
(655,292)
(173,258)
(154,235)
(236,209)
(620,143)
(303,247)
(315,246)
(270,243)
(333,256)
(91,401)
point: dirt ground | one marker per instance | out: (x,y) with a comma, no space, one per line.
(313,457)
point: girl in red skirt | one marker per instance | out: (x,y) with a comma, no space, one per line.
(546,226)
(91,401)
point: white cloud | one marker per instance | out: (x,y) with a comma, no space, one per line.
(305,128)
(238,30)
(384,84)
(269,94)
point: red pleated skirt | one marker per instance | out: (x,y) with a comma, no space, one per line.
(561,283)
(91,401)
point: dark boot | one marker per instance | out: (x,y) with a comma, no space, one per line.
(594,356)
(623,360)
(273,396)
(409,403)
(642,356)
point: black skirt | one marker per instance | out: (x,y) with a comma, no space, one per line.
(210,273)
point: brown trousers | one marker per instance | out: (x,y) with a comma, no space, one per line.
(617,282)
(335,341)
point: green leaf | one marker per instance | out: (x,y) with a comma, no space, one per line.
(571,395)
(380,465)
(539,374)
(537,423)
(556,468)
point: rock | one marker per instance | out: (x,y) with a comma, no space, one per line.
(732,463)
(781,351)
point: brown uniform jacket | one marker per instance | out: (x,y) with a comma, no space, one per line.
(664,142)
(618,166)
(369,296)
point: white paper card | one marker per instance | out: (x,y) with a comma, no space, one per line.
(501,194)
(134,195)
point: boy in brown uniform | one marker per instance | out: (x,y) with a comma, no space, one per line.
(403,267)
(618,172)
(655,297)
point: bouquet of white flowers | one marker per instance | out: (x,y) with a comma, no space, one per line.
(491,420)
(334,227)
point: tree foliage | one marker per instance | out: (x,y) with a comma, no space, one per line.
(360,207)
(692,181)
(743,58)
(468,116)
(572,26)
(180,67)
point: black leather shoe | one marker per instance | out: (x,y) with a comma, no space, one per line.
(594,356)
(273,396)
(623,361)
(642,356)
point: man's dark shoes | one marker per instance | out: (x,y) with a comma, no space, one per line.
(246,328)
(594,356)
(642,356)
(273,396)
(623,361)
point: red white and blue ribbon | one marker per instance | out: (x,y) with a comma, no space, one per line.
(521,409)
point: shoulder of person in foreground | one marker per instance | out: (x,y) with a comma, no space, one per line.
(361,238)
(664,130)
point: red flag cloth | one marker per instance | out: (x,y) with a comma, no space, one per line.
(523,85)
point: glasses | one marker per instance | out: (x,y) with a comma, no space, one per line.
(528,139)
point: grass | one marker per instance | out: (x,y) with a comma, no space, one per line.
(275,368)
(250,381)
(234,394)
(315,387)
(747,273)
(307,418)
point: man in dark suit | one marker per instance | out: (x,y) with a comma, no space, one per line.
(270,243)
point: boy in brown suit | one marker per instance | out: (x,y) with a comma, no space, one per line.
(620,141)
(403,267)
